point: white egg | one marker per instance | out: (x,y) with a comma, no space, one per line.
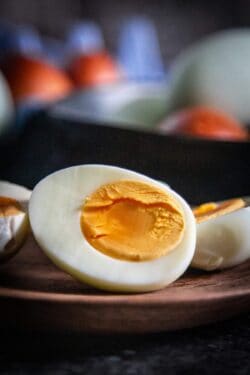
(6,105)
(214,72)
(14,224)
(55,211)
(223,241)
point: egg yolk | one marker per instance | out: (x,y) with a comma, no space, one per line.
(211,210)
(131,220)
(9,207)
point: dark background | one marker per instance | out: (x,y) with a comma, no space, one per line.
(178,22)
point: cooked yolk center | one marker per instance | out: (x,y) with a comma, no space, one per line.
(131,220)
(211,210)
(9,207)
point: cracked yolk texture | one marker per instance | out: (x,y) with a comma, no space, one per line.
(9,207)
(133,221)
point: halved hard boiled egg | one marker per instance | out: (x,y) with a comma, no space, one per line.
(14,223)
(113,228)
(223,236)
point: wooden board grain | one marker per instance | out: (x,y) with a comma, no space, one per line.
(35,295)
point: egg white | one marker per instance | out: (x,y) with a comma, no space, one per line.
(14,191)
(224,241)
(14,227)
(54,212)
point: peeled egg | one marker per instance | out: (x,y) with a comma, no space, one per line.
(223,238)
(14,223)
(35,79)
(113,228)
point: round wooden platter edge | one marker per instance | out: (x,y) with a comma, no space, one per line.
(36,296)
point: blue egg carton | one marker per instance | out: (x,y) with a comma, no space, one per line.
(138,53)
(138,50)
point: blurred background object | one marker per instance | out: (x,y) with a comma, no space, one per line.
(6,106)
(178,23)
(139,52)
(89,64)
(214,72)
(84,38)
(19,39)
(128,64)
(94,68)
(125,104)
(33,84)
(34,79)
(204,122)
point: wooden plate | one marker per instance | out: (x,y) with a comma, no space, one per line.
(35,295)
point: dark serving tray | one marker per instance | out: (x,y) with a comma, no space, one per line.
(200,170)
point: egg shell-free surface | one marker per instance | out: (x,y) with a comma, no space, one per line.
(14,191)
(55,209)
(13,227)
(224,241)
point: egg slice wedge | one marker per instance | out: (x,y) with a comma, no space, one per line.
(14,223)
(223,236)
(113,228)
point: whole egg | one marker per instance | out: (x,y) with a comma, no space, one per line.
(215,72)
